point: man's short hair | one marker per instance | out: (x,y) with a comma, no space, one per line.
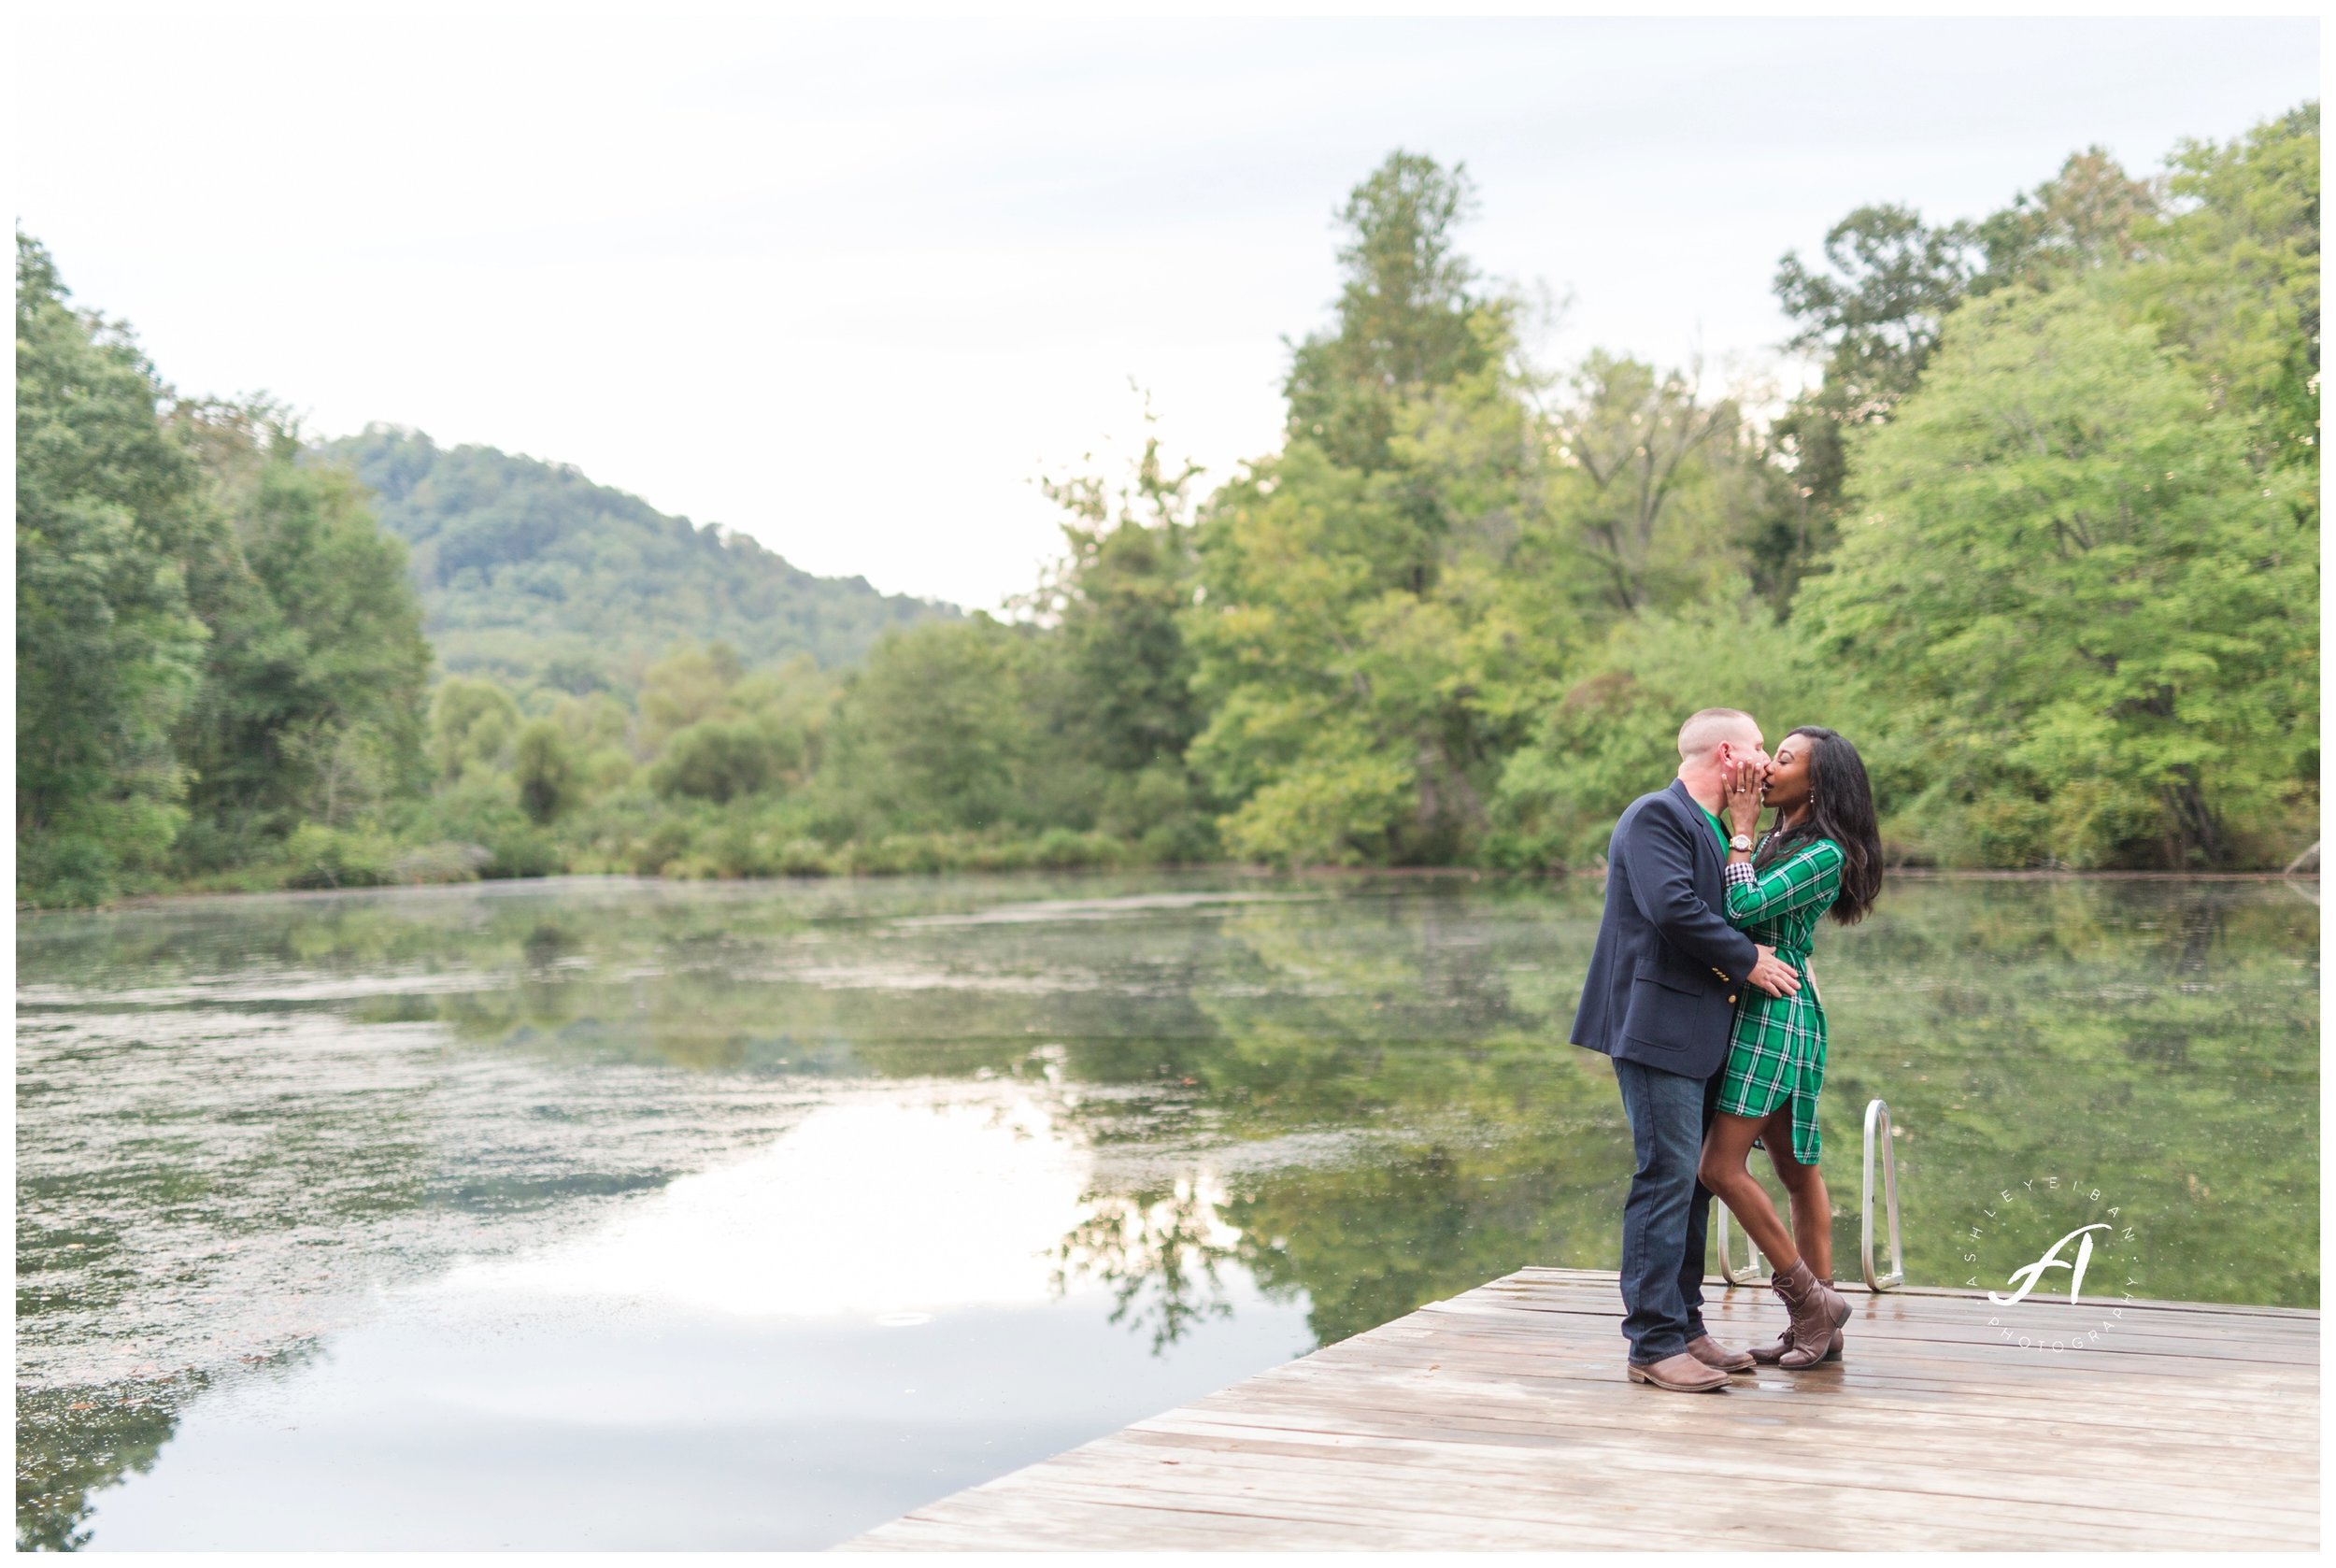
(1701,736)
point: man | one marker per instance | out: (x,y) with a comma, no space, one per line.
(1661,999)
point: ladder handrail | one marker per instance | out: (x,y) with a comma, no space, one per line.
(1750,1273)
(1878,1113)
(1877,1119)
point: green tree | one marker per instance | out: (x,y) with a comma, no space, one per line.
(720,732)
(1878,310)
(312,701)
(1613,734)
(109,649)
(542,765)
(1370,642)
(1652,475)
(1378,619)
(2235,279)
(2091,215)
(1114,669)
(2092,617)
(472,725)
(1404,311)
(718,762)
(933,733)
(1128,574)
(598,728)
(691,684)
(1873,311)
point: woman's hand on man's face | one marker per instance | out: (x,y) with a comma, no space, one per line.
(1742,794)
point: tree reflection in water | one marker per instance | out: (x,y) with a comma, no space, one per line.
(1161,1252)
(1357,1092)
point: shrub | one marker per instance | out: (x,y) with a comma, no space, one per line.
(717,762)
(522,852)
(323,857)
(440,863)
(1063,849)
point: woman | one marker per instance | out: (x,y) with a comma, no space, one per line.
(1822,854)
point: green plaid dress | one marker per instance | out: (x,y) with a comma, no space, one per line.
(1777,1051)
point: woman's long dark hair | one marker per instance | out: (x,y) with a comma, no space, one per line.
(1841,808)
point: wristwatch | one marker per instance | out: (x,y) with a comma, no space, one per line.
(1741,844)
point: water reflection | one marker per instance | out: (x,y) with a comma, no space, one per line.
(778,1353)
(946,1200)
(1167,1111)
(1164,1255)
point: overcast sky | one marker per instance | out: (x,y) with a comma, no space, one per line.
(849,287)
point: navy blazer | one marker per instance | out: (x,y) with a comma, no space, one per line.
(1668,967)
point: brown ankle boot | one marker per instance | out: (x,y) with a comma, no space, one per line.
(1817,1311)
(1769,1355)
(1772,1355)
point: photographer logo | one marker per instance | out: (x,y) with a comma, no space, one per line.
(2095,1243)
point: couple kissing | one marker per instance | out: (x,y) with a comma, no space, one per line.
(1700,991)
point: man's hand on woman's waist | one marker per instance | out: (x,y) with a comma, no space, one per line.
(1772,974)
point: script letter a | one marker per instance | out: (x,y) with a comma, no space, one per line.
(2027,1277)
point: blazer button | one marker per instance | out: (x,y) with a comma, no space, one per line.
(1731,1002)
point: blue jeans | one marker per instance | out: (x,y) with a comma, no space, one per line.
(1663,1219)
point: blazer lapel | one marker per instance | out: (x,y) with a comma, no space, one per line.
(1700,828)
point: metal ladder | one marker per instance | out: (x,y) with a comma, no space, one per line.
(1877,1135)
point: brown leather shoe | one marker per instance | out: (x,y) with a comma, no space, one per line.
(1681,1374)
(1710,1353)
(1769,1355)
(1817,1312)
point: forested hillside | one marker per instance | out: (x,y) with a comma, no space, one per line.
(531,573)
(2044,541)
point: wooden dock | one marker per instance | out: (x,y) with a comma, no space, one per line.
(1500,1421)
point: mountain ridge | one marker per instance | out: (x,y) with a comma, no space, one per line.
(531,572)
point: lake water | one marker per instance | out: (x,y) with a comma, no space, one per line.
(614,1214)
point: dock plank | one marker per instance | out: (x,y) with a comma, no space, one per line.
(1500,1421)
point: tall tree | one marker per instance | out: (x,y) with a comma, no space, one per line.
(1114,675)
(934,734)
(1404,310)
(109,650)
(1876,311)
(1645,457)
(1376,600)
(472,724)
(1128,573)
(2091,215)
(2236,287)
(2089,623)
(1873,311)
(312,701)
